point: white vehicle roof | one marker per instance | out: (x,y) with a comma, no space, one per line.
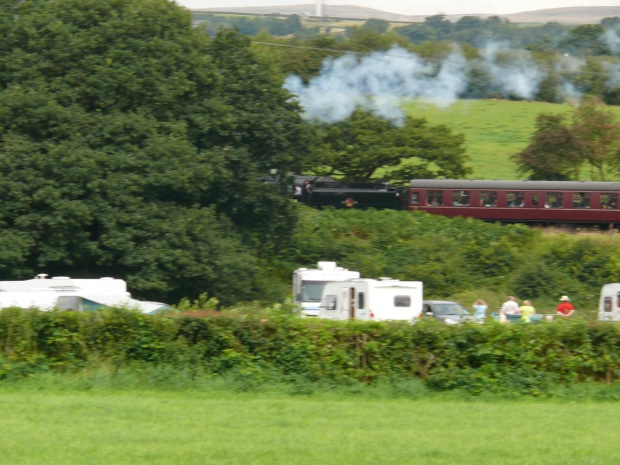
(47,294)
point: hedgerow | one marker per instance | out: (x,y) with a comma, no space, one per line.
(519,358)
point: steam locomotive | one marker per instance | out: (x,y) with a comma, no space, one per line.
(539,202)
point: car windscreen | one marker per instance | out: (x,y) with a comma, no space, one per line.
(449,309)
(311,291)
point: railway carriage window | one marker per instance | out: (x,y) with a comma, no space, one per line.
(534,200)
(415,198)
(553,200)
(609,201)
(581,200)
(488,198)
(515,199)
(434,198)
(460,198)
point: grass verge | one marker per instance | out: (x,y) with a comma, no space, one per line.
(53,420)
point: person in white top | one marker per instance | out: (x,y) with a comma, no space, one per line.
(510,307)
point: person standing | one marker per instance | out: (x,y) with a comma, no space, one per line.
(565,309)
(480,309)
(510,307)
(526,310)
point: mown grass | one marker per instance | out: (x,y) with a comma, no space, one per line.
(494,129)
(43,424)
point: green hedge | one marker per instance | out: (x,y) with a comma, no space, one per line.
(520,357)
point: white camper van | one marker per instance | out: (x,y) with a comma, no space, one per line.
(65,293)
(308,284)
(609,305)
(372,300)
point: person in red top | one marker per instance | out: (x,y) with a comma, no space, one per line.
(565,308)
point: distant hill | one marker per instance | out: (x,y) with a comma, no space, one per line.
(331,11)
(569,15)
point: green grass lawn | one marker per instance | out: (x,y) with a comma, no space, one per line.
(494,129)
(155,427)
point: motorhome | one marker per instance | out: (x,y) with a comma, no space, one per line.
(64,293)
(372,300)
(609,304)
(308,284)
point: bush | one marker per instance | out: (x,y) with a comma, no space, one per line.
(517,358)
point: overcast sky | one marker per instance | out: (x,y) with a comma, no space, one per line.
(412,7)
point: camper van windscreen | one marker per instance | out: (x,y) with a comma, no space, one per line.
(311,291)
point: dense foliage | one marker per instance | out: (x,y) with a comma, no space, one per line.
(558,151)
(357,147)
(560,62)
(132,144)
(519,358)
(458,257)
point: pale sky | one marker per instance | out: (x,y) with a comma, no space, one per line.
(412,7)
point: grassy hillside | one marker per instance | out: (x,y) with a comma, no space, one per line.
(494,129)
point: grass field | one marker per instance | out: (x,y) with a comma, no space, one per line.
(192,427)
(494,129)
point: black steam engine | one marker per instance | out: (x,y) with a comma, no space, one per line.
(324,191)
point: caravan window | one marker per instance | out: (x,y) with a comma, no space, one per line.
(607,304)
(360,300)
(329,302)
(402,301)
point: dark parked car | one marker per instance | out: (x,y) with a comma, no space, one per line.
(446,311)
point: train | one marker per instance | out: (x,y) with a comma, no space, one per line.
(534,202)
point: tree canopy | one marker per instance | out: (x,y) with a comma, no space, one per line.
(132,145)
(553,153)
(559,151)
(363,143)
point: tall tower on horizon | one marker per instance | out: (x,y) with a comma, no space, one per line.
(319,8)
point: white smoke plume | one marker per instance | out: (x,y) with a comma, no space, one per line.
(612,39)
(378,82)
(567,65)
(513,72)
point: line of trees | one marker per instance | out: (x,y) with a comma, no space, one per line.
(574,60)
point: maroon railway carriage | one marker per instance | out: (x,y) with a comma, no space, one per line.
(568,202)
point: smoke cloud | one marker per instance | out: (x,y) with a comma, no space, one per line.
(379,81)
(512,72)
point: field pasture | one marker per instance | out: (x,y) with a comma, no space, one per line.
(158,427)
(494,129)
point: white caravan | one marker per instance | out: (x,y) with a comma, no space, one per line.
(308,284)
(372,300)
(65,293)
(609,305)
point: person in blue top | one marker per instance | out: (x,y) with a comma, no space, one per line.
(480,309)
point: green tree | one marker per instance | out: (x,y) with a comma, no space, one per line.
(378,25)
(585,40)
(358,146)
(440,24)
(131,144)
(554,152)
(417,33)
(599,134)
